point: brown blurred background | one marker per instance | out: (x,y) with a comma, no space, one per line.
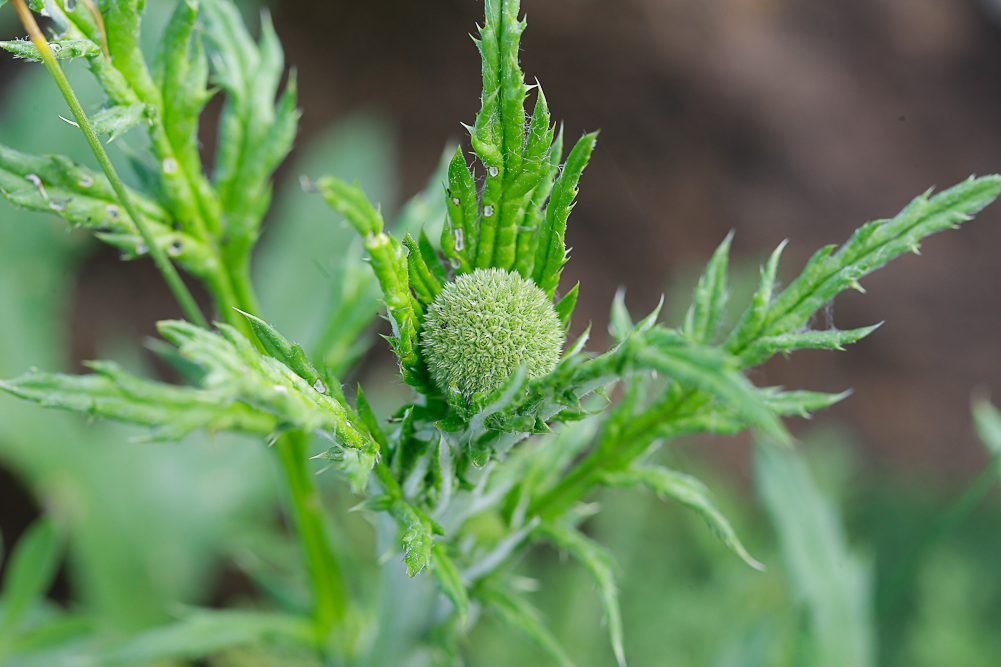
(796,119)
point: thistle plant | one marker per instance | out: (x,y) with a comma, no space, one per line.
(508,424)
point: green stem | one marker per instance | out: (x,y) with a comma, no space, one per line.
(609,456)
(329,589)
(160,258)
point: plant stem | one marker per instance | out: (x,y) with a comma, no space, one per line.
(160,258)
(608,456)
(329,589)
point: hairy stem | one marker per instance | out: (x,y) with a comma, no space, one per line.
(160,258)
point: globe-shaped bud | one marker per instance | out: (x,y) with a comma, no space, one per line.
(484,325)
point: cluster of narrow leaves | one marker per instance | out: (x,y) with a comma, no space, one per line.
(207,225)
(440,460)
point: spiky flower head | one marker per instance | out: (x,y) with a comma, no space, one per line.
(484,325)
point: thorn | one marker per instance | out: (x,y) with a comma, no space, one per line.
(73,123)
(855,285)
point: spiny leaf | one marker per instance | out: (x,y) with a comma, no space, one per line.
(800,403)
(564,308)
(287,352)
(351,202)
(255,133)
(113,394)
(116,121)
(242,390)
(531,222)
(425,284)
(64,48)
(620,323)
(461,229)
(708,369)
(552,254)
(418,536)
(431,258)
(688,491)
(181,73)
(599,562)
(83,197)
(874,244)
(710,297)
(372,423)
(750,322)
(830,339)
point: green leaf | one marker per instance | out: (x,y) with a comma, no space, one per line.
(82,197)
(460,234)
(255,132)
(599,562)
(389,262)
(351,202)
(418,536)
(181,73)
(431,258)
(833,583)
(710,297)
(450,581)
(750,322)
(800,403)
(114,394)
(830,272)
(425,284)
(564,308)
(690,492)
(498,137)
(122,19)
(64,48)
(356,464)
(520,614)
(117,120)
(287,352)
(29,572)
(372,423)
(987,421)
(242,390)
(714,372)
(552,254)
(528,231)
(620,322)
(830,339)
